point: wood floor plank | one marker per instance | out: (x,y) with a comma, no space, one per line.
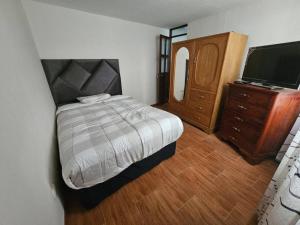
(205,182)
(198,212)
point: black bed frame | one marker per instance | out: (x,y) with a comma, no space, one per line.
(108,81)
(90,197)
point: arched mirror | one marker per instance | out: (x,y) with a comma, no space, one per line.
(181,73)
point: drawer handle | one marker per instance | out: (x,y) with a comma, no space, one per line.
(238,119)
(244,95)
(201,96)
(232,138)
(236,129)
(242,107)
(199,107)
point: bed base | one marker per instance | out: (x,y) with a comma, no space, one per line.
(91,197)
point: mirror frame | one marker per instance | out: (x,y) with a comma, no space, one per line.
(189,44)
(181,73)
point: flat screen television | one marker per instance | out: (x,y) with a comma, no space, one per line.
(274,65)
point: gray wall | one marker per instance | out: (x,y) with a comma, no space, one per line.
(27,119)
(264,21)
(67,33)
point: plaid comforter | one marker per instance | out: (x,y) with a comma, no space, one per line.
(98,141)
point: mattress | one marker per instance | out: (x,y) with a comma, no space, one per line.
(97,141)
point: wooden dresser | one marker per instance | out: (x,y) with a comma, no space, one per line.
(257,120)
(208,64)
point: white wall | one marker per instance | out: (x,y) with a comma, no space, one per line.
(27,119)
(67,33)
(265,21)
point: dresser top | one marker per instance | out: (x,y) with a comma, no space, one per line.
(266,90)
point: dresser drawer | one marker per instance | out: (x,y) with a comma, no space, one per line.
(240,136)
(239,141)
(201,96)
(200,118)
(250,97)
(204,108)
(249,131)
(239,118)
(256,113)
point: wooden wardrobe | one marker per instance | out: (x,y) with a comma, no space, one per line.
(199,70)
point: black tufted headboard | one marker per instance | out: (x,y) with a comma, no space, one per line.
(72,78)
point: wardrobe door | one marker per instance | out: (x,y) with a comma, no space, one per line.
(208,61)
(181,68)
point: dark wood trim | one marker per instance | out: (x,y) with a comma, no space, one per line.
(179,35)
(178,27)
(164,68)
(175,28)
(165,60)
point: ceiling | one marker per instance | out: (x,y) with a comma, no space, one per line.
(161,13)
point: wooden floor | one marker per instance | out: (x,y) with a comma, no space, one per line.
(206,182)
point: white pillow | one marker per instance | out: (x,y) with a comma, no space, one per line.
(93,98)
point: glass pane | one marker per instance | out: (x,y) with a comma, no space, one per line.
(168,46)
(162,65)
(179,31)
(163,45)
(167,65)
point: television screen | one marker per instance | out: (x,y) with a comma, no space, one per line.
(274,65)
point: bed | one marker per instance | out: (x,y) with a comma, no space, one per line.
(107,142)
